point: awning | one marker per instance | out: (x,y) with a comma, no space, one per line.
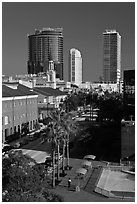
(92,157)
(81,171)
(86,163)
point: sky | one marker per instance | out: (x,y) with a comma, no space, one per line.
(83,24)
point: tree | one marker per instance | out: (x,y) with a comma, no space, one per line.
(23,179)
(70,128)
(61,127)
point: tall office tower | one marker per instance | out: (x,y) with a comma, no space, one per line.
(111,56)
(44,46)
(75,67)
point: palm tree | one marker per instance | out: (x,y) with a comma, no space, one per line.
(57,137)
(63,155)
(60,130)
(53,163)
(70,128)
(53,147)
(58,158)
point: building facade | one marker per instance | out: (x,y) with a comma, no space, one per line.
(48,100)
(129,94)
(111,56)
(75,67)
(127,139)
(19,109)
(44,46)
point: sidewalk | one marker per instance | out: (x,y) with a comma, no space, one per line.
(17,141)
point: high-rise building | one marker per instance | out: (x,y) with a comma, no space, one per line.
(111,56)
(44,46)
(75,66)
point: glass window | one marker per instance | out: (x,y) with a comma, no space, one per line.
(73,78)
(6,120)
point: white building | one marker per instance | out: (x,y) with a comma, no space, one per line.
(75,66)
(104,86)
(47,79)
(111,56)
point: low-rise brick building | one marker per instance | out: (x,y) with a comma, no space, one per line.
(19,109)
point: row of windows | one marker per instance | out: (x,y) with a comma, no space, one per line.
(7,119)
(17,117)
(19,103)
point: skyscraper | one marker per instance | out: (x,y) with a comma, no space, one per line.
(44,46)
(75,66)
(111,56)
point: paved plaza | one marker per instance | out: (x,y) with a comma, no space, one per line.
(86,193)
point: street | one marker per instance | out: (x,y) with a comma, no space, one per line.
(104,142)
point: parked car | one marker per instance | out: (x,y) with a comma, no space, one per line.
(6,148)
(16,145)
(23,142)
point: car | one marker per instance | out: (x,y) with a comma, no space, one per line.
(89,157)
(23,142)
(16,145)
(6,148)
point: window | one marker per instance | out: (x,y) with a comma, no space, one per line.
(6,120)
(73,78)
(45,100)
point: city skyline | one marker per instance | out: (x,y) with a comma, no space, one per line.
(83,25)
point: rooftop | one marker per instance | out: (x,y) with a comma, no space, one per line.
(47,91)
(20,90)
